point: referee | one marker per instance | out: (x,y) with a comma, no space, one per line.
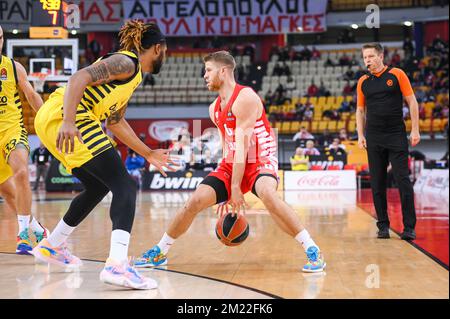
(381,130)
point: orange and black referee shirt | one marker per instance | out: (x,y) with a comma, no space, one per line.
(381,95)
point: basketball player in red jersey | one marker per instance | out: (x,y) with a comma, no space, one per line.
(249,163)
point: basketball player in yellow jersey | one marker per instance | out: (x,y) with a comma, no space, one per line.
(14,149)
(69,126)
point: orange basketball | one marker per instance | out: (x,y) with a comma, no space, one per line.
(232,231)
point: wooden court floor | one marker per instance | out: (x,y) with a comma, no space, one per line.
(266,265)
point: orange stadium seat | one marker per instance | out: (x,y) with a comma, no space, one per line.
(322,126)
(436,125)
(351,127)
(341,125)
(425,125)
(429,109)
(295,127)
(332,126)
(278,126)
(314,126)
(444,123)
(408,125)
(285,127)
(306,124)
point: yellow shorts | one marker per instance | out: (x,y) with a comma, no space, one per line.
(47,123)
(9,140)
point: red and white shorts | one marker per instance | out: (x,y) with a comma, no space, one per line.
(224,172)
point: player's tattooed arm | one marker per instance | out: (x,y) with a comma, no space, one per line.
(116,117)
(116,67)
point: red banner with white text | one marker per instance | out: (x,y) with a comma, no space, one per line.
(230,17)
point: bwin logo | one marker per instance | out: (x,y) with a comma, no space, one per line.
(160,182)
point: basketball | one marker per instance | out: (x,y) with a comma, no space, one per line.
(232,231)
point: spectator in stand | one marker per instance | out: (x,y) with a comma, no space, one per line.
(306,54)
(323,91)
(343,135)
(325,138)
(135,165)
(313,90)
(290,85)
(349,74)
(299,161)
(303,134)
(348,89)
(277,70)
(315,54)
(359,73)
(422,112)
(344,60)
(396,59)
(329,62)
(280,89)
(299,111)
(95,48)
(249,50)
(235,50)
(285,69)
(345,107)
(310,149)
(308,114)
(420,95)
(408,47)
(437,111)
(208,162)
(331,114)
(275,50)
(444,112)
(284,54)
(268,98)
(336,148)
(149,79)
(405,112)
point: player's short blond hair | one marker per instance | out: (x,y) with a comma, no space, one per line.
(223,57)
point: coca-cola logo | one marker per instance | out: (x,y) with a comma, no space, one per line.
(325,180)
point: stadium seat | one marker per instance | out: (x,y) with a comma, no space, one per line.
(332,126)
(425,125)
(295,127)
(306,124)
(408,125)
(316,168)
(436,125)
(322,126)
(285,127)
(444,122)
(314,126)
(333,168)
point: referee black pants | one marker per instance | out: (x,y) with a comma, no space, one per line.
(383,148)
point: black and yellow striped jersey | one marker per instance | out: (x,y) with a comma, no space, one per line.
(10,106)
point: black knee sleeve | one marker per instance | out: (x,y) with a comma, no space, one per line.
(123,204)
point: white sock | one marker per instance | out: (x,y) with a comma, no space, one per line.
(165,243)
(120,240)
(24,222)
(60,234)
(305,239)
(35,226)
